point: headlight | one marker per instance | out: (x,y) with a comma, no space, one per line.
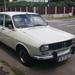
(44,48)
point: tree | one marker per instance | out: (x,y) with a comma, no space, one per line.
(2,2)
(62,0)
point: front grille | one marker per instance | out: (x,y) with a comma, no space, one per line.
(60,45)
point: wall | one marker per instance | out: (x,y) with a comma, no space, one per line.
(43,10)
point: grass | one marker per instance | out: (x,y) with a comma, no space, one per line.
(16,71)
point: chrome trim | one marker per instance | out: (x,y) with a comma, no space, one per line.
(44,57)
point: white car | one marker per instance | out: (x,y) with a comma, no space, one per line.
(29,35)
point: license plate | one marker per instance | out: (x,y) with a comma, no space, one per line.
(64,57)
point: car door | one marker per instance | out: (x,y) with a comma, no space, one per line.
(1,25)
(8,32)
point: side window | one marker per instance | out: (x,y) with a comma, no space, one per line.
(8,21)
(1,19)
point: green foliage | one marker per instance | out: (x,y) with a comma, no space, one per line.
(24,4)
(62,3)
(62,0)
(2,2)
(51,3)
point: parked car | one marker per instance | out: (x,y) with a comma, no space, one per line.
(32,38)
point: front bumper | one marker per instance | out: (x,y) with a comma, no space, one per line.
(55,54)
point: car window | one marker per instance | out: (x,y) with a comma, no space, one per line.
(28,20)
(1,19)
(8,21)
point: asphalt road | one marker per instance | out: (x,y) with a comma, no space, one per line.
(66,68)
(66,25)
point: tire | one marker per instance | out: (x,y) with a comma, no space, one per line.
(24,57)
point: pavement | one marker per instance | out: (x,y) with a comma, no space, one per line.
(65,68)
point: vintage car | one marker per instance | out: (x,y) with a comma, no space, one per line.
(32,38)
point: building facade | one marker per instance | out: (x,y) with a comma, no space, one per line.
(34,0)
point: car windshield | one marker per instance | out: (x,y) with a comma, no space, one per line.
(28,20)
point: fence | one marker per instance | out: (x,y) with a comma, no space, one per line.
(43,10)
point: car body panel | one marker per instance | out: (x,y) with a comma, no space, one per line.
(47,34)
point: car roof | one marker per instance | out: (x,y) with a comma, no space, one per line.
(16,13)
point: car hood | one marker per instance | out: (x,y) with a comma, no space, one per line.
(47,34)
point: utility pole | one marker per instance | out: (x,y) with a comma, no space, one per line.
(4,5)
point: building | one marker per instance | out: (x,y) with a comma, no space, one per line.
(34,0)
(11,0)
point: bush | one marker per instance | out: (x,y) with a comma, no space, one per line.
(62,3)
(52,3)
(27,4)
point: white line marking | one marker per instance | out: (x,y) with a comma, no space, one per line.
(66,25)
(70,25)
(62,25)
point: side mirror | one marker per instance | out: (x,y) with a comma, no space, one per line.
(10,26)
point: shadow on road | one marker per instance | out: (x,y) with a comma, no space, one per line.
(9,51)
(39,65)
(47,65)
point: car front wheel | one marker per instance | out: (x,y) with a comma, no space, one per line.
(24,57)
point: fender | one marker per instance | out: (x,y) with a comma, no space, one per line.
(19,43)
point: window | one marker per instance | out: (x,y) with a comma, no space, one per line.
(1,19)
(8,21)
(28,20)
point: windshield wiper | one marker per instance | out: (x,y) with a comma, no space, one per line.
(31,26)
(25,26)
(38,25)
